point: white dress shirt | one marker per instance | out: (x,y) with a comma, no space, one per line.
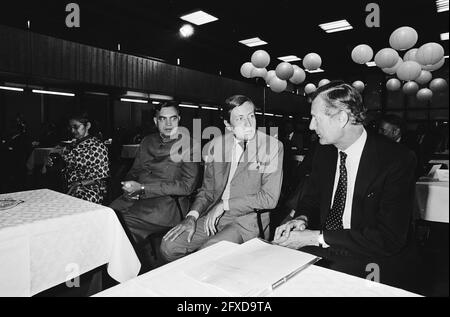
(354,153)
(236,153)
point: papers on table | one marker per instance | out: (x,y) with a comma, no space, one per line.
(253,269)
(441,175)
(437,174)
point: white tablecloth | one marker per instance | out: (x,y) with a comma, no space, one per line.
(52,237)
(170,280)
(129,150)
(432,201)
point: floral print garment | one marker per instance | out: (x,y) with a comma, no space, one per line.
(85,160)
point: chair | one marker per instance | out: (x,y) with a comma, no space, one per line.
(259,221)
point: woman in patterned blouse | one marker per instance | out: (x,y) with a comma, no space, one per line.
(86,162)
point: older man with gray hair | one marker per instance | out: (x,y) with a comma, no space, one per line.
(355,213)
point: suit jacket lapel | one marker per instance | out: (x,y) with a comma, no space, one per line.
(367,171)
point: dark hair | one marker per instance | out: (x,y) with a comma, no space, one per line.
(342,96)
(394,120)
(231,103)
(81,117)
(166,104)
(84,118)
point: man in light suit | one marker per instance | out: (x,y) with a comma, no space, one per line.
(356,213)
(243,173)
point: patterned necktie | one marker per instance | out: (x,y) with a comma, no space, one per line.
(334,219)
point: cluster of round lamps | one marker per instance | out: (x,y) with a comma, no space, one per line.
(278,79)
(414,69)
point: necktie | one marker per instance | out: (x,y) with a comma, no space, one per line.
(334,219)
(243,145)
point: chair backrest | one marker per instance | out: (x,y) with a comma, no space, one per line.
(259,221)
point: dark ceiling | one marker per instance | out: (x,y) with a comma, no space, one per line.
(150,28)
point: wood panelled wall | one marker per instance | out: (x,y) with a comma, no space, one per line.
(39,56)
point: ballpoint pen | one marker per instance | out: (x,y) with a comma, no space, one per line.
(294,273)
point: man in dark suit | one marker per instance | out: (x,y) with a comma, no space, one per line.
(157,186)
(393,127)
(243,172)
(356,212)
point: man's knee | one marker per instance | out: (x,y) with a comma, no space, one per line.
(120,205)
(172,250)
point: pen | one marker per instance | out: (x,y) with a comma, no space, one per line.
(292,274)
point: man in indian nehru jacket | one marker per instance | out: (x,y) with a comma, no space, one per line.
(243,173)
(158,178)
(356,213)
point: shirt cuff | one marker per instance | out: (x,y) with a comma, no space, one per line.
(193,213)
(322,242)
(226,205)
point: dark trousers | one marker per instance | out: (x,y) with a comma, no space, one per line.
(137,229)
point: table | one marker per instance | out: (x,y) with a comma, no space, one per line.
(170,280)
(39,156)
(431,201)
(439,161)
(129,150)
(52,238)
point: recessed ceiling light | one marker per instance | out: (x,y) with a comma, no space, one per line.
(336,26)
(103,94)
(371,64)
(209,108)
(441,5)
(318,70)
(199,17)
(57,93)
(289,58)
(444,36)
(187,106)
(133,100)
(255,41)
(11,88)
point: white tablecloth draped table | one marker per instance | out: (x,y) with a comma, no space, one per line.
(50,238)
(129,150)
(432,201)
(172,280)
